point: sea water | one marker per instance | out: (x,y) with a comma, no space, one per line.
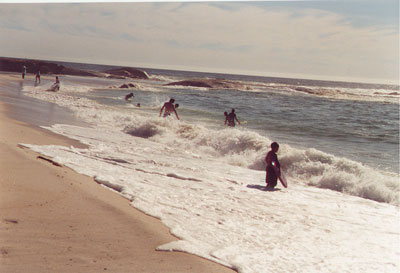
(339,149)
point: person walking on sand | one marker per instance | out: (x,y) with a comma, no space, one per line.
(230,118)
(168,108)
(23,72)
(37,77)
(273,166)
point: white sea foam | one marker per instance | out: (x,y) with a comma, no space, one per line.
(351,94)
(207,187)
(239,148)
(357,94)
(163,78)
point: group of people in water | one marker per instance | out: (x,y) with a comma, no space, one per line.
(273,169)
(129,96)
(169,107)
(54,87)
(37,75)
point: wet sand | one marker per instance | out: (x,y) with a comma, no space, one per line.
(55,220)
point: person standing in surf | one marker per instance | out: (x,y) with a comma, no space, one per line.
(230,118)
(168,108)
(37,77)
(23,72)
(273,166)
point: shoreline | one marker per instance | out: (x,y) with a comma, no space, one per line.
(56,220)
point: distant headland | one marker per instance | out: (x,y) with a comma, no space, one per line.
(59,68)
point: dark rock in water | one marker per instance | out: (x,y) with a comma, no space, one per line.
(303,89)
(208,83)
(195,83)
(127,85)
(127,72)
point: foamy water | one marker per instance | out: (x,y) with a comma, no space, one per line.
(205,182)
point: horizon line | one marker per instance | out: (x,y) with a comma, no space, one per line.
(221,71)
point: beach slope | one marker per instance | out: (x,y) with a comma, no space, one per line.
(55,220)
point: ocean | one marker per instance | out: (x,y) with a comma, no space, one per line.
(339,150)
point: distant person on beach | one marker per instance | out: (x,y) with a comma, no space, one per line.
(168,108)
(273,166)
(37,77)
(230,118)
(23,72)
(130,95)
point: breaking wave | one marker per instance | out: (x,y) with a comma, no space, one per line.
(244,148)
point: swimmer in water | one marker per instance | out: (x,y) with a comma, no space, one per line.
(168,108)
(230,118)
(130,95)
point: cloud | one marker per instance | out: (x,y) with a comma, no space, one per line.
(225,36)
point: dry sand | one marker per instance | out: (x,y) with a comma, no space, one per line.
(55,220)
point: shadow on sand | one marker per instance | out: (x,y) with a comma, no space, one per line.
(261,188)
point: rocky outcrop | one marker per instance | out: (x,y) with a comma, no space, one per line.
(49,67)
(127,85)
(208,83)
(127,72)
(124,86)
(45,67)
(194,83)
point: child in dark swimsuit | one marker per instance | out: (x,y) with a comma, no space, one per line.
(273,166)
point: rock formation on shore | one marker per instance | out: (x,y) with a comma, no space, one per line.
(49,67)
(45,67)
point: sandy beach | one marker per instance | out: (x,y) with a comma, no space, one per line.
(55,220)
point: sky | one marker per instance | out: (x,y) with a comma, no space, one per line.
(353,40)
